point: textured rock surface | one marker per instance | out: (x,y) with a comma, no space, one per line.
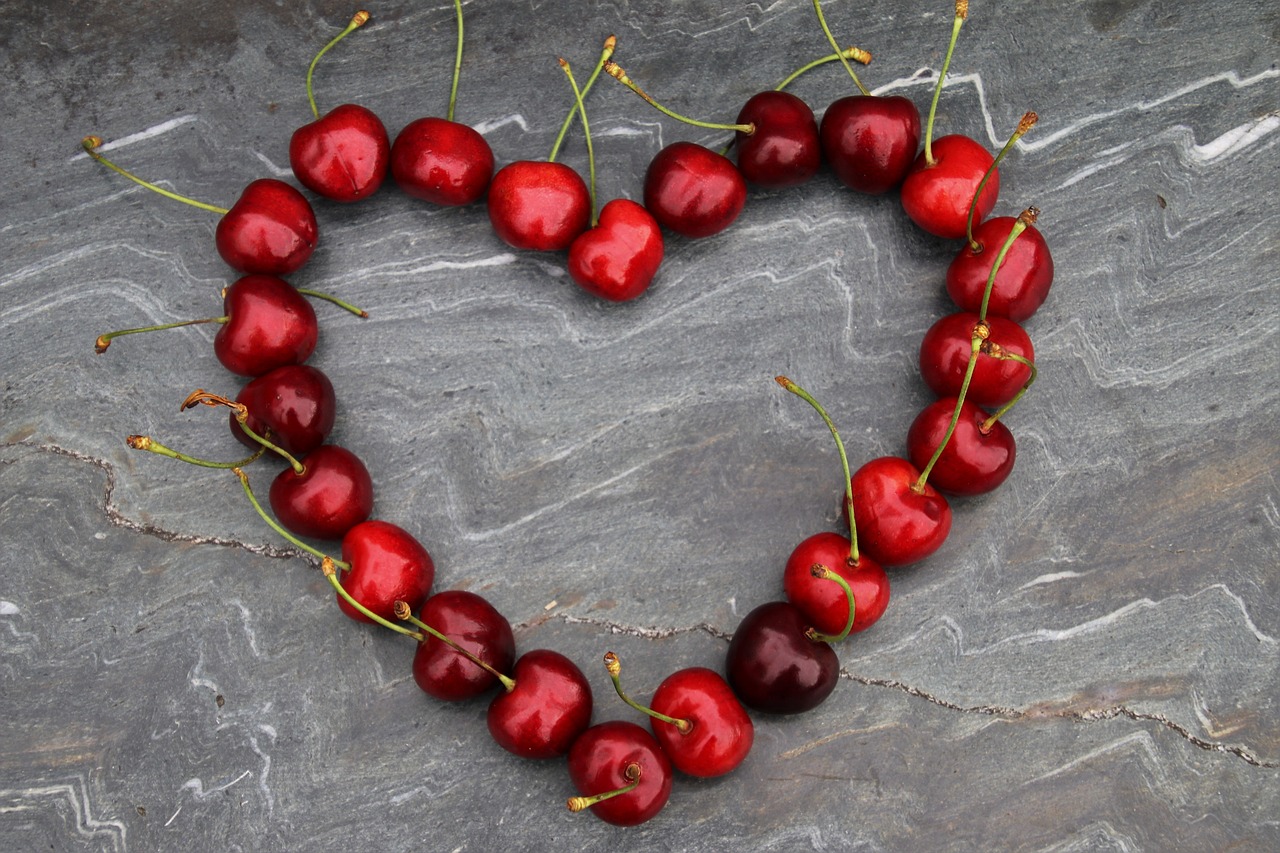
(1089,663)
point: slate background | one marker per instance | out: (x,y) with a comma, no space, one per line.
(1090,662)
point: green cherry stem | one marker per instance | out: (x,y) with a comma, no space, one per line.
(631,772)
(457,63)
(823,573)
(275,525)
(1027,122)
(329,297)
(405,614)
(330,568)
(822,21)
(149,444)
(615,71)
(609,45)
(857,54)
(586,132)
(996,352)
(614,666)
(91,144)
(208,398)
(1027,217)
(844,459)
(962,13)
(980,333)
(358,20)
(104,341)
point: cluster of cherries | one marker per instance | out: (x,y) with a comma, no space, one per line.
(780,659)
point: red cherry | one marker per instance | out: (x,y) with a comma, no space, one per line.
(474,624)
(937,195)
(896,524)
(270,324)
(693,191)
(538,205)
(823,602)
(387,565)
(271,229)
(618,258)
(1024,277)
(442,161)
(974,461)
(342,155)
(613,756)
(332,495)
(720,732)
(293,406)
(944,358)
(871,141)
(774,667)
(784,150)
(545,710)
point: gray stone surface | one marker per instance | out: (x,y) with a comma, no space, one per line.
(1090,663)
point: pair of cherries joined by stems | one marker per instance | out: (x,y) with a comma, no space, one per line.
(781,658)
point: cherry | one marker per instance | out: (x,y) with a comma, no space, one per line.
(825,604)
(618,258)
(693,191)
(545,707)
(977,457)
(621,771)
(899,520)
(330,495)
(1023,279)
(937,193)
(294,406)
(538,205)
(783,150)
(387,564)
(1003,367)
(471,622)
(774,666)
(269,325)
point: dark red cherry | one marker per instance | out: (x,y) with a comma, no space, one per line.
(293,406)
(823,602)
(269,324)
(1024,277)
(720,732)
(271,229)
(944,358)
(547,708)
(611,756)
(474,624)
(936,196)
(870,140)
(342,155)
(538,205)
(897,525)
(784,150)
(332,495)
(975,461)
(693,191)
(442,162)
(618,258)
(774,667)
(387,565)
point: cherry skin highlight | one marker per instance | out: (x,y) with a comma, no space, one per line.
(896,524)
(721,732)
(823,602)
(936,196)
(270,324)
(546,710)
(387,565)
(293,406)
(693,191)
(475,625)
(784,150)
(271,229)
(870,140)
(441,161)
(599,762)
(618,258)
(538,205)
(947,346)
(331,496)
(974,461)
(342,155)
(1022,282)
(774,667)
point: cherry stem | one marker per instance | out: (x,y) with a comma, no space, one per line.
(1028,121)
(614,666)
(329,297)
(330,568)
(986,425)
(104,341)
(609,44)
(457,63)
(632,772)
(615,71)
(844,460)
(405,614)
(149,444)
(586,132)
(207,398)
(857,54)
(357,21)
(980,333)
(822,21)
(91,145)
(823,573)
(962,12)
(275,525)
(1027,217)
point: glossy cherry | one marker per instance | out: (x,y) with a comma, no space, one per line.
(945,351)
(823,603)
(547,707)
(783,150)
(897,524)
(773,665)
(538,205)
(474,624)
(619,756)
(269,324)
(342,155)
(270,229)
(441,161)
(387,564)
(293,406)
(693,191)
(332,495)
(1022,282)
(937,196)
(977,458)
(618,258)
(871,140)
